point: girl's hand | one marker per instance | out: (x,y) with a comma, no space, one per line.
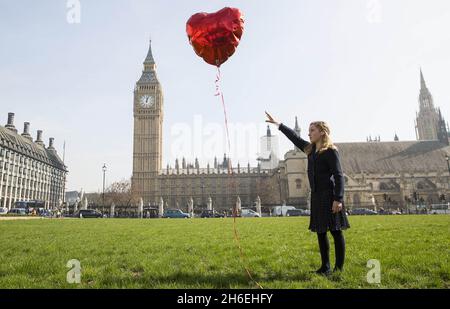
(337,207)
(271,120)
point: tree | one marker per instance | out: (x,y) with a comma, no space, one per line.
(120,194)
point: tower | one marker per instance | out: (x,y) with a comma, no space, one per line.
(269,141)
(297,130)
(148,114)
(442,133)
(427,119)
(268,156)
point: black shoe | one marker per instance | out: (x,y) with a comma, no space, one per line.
(338,269)
(323,271)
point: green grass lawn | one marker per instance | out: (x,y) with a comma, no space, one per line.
(201,253)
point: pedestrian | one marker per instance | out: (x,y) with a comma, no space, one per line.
(326,180)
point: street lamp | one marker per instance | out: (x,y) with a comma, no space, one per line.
(279,185)
(203,188)
(104,172)
(447,158)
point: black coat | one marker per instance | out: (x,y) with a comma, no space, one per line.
(324,169)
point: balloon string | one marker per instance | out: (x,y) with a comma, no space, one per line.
(219,93)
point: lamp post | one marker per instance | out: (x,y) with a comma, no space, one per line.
(447,158)
(279,185)
(104,172)
(203,189)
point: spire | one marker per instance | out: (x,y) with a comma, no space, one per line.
(425,97)
(268,131)
(149,59)
(297,131)
(149,74)
(396,137)
(422,81)
(197,164)
(149,62)
(297,127)
(442,134)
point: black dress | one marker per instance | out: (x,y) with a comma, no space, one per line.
(326,180)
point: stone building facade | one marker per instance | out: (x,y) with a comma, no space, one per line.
(29,171)
(380,174)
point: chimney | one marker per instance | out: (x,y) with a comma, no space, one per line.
(26,131)
(39,138)
(10,124)
(50,147)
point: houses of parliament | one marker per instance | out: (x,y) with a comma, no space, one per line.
(392,174)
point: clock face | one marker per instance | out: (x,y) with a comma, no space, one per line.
(147,101)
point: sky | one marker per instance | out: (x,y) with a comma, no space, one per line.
(69,68)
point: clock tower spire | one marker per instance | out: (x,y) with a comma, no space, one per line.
(148,114)
(149,62)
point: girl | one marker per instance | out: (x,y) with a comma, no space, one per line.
(326,180)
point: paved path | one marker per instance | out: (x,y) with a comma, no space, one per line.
(18,218)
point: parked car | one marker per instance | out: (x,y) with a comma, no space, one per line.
(246,212)
(211,214)
(175,213)
(443,208)
(296,213)
(87,213)
(363,211)
(395,212)
(3,210)
(18,211)
(45,213)
(279,211)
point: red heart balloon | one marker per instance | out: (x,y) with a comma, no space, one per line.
(216,36)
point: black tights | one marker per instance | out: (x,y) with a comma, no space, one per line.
(339,246)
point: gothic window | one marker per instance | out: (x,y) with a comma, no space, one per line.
(298,183)
(356,200)
(389,186)
(425,185)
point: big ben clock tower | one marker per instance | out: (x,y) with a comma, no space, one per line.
(147,137)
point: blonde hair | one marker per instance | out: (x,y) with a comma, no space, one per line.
(326,139)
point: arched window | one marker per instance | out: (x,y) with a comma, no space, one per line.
(356,200)
(298,183)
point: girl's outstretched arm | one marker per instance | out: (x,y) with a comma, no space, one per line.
(293,137)
(297,140)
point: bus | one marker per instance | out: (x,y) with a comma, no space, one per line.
(27,205)
(440,208)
